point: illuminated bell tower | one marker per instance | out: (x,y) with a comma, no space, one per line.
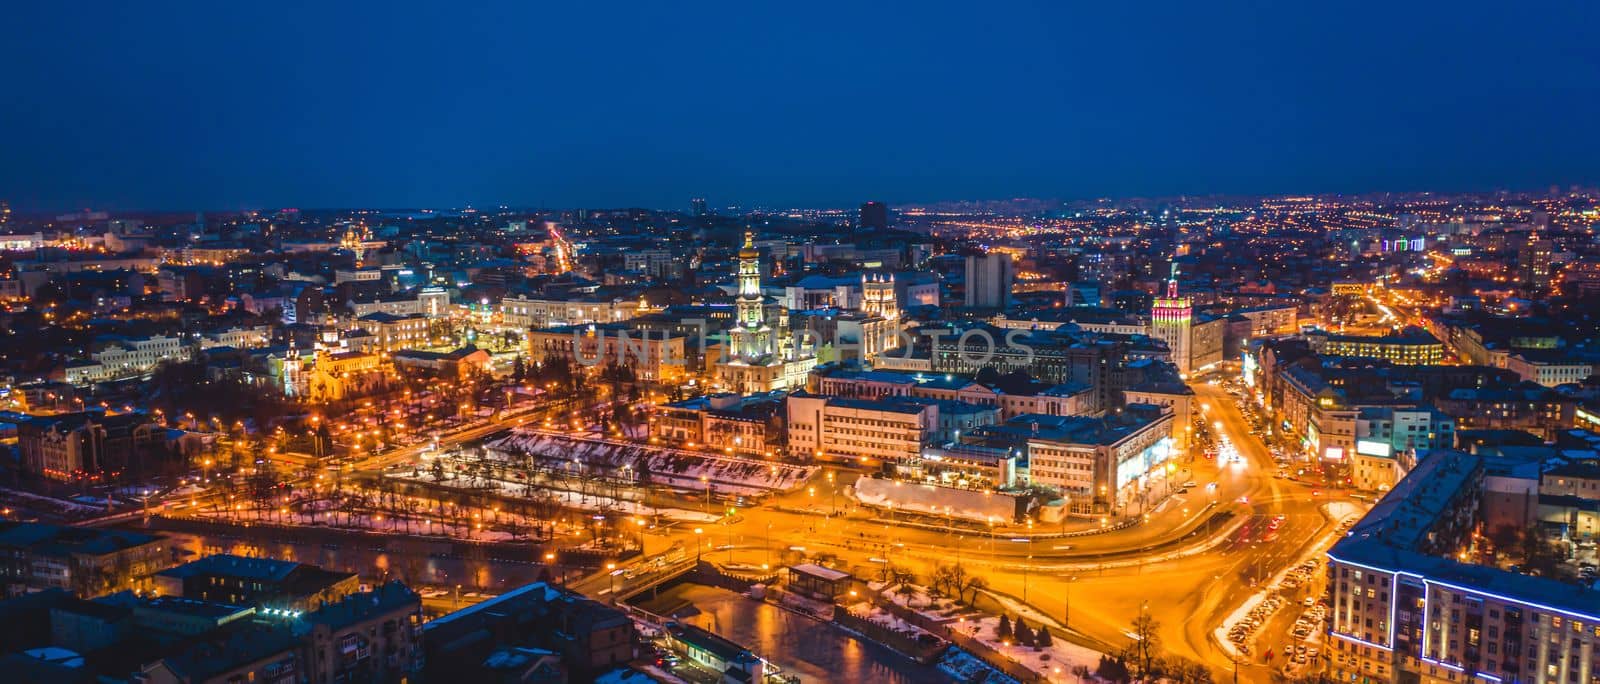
(1171,320)
(751,337)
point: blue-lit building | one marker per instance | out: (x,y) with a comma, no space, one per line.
(1408,606)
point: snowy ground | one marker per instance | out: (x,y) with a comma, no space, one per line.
(62,505)
(568,498)
(884,618)
(967,504)
(673,467)
(1055,662)
(913,597)
(1339,511)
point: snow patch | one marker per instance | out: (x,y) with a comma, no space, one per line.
(967,504)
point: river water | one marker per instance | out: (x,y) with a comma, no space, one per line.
(815,651)
(417,569)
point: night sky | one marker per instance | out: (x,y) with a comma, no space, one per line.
(225,105)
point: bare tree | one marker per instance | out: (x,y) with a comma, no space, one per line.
(1146,642)
(975,584)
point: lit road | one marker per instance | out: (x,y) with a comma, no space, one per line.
(1189,590)
(1194,562)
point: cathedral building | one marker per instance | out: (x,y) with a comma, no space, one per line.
(761,354)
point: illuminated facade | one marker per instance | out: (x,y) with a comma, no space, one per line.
(1104,465)
(355,239)
(862,432)
(761,354)
(661,357)
(1413,347)
(877,296)
(1172,321)
(333,376)
(522,312)
(125,357)
(1408,605)
(752,339)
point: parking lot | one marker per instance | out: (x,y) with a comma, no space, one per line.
(1286,628)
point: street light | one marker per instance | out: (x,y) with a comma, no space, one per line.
(697,532)
(728,523)
(1066,608)
(1028,561)
(991,540)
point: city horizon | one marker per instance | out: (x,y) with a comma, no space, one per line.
(570,343)
(1547,191)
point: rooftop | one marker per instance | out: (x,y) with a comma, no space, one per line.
(229,565)
(1389,536)
(61,540)
(383,317)
(1408,336)
(891,405)
(425,355)
(820,572)
(1075,429)
(364,605)
(714,644)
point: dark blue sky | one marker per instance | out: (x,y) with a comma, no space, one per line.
(240,105)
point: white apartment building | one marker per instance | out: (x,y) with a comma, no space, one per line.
(392,333)
(238,338)
(1549,369)
(863,432)
(523,312)
(125,358)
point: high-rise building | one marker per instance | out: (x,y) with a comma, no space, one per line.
(1172,321)
(988,280)
(874,216)
(1083,294)
(697,206)
(5,212)
(1533,262)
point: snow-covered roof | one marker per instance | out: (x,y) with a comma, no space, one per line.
(820,572)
